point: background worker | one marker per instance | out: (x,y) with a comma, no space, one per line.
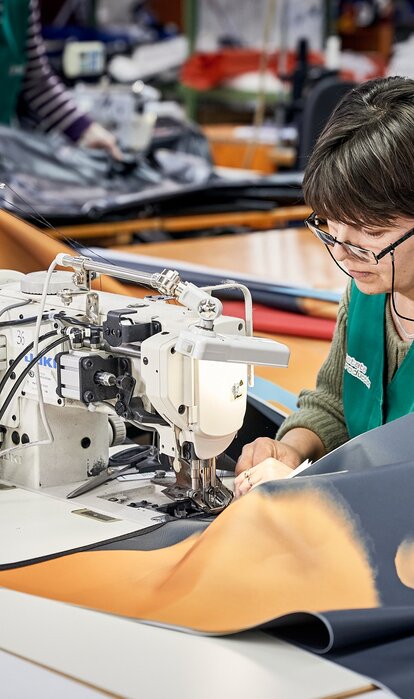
(29,87)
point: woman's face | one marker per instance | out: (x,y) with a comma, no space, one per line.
(372,278)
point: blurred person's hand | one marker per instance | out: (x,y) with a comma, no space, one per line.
(96,136)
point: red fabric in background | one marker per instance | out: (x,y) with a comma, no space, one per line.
(203,71)
(206,70)
(272,320)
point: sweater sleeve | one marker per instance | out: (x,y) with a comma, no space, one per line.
(321,410)
(44,99)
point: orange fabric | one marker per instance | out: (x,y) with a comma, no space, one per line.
(25,248)
(266,555)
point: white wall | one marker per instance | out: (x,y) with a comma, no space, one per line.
(293,19)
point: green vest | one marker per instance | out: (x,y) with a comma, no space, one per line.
(14,20)
(368,401)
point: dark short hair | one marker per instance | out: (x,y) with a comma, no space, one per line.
(361,171)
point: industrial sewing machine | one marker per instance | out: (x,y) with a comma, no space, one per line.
(76,365)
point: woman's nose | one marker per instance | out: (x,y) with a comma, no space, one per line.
(338,251)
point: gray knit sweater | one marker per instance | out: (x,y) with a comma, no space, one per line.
(321,410)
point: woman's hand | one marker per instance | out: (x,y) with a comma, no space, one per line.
(96,136)
(268,470)
(265,448)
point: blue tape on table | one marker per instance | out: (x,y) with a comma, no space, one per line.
(267,390)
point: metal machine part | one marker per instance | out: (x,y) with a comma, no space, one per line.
(60,281)
(179,370)
(117,428)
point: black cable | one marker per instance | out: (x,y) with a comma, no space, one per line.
(19,208)
(19,358)
(31,320)
(41,218)
(76,321)
(24,373)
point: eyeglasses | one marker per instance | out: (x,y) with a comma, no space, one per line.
(319,227)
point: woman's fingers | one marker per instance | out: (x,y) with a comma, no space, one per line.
(268,470)
(255,452)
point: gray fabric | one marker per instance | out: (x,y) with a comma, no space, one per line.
(40,168)
(167,535)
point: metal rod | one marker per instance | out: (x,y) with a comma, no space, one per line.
(248,314)
(208,473)
(131,275)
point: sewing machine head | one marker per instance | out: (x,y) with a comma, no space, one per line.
(77,365)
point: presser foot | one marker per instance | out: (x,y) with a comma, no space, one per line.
(210,501)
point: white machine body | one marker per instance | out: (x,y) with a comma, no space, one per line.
(117,359)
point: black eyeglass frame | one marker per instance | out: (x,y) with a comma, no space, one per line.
(323,236)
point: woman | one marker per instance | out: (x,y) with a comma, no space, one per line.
(360,183)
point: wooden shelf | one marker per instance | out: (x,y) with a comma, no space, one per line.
(230,150)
